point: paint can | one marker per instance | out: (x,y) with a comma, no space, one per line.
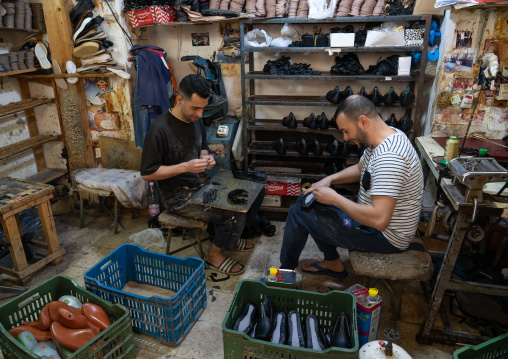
(451,148)
(368,312)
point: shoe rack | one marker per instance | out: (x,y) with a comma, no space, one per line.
(259,134)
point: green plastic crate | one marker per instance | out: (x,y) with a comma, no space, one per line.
(115,342)
(326,307)
(495,348)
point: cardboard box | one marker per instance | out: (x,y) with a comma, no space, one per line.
(342,40)
(384,38)
(404,66)
(426,7)
(283,185)
(272,200)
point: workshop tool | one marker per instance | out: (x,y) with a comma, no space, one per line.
(7,292)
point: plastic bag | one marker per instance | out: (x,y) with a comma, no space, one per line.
(318,9)
(281,42)
(257,38)
(148,238)
(290,31)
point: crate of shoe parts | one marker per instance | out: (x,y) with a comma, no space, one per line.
(326,307)
(169,319)
(116,341)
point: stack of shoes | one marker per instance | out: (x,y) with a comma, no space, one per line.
(28,16)
(236,5)
(5,63)
(13,59)
(8,18)
(21,60)
(293,7)
(303,9)
(38,17)
(29,60)
(19,15)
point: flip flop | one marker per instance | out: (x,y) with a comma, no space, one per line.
(324,271)
(242,246)
(226,266)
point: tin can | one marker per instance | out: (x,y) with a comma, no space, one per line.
(451,148)
(368,312)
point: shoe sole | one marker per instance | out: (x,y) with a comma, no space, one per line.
(42,56)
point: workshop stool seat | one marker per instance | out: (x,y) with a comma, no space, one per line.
(92,194)
(171,221)
(413,264)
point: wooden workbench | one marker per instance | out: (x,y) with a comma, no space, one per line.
(15,196)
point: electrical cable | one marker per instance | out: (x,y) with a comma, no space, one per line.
(121,27)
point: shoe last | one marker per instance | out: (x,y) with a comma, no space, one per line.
(331,169)
(407,98)
(346,93)
(345,149)
(323,122)
(264,322)
(375,96)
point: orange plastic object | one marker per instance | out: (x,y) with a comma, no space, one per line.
(96,315)
(73,339)
(65,314)
(40,335)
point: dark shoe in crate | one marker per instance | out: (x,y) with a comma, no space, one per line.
(167,319)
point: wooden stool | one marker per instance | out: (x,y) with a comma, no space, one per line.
(89,193)
(16,196)
(412,264)
(171,221)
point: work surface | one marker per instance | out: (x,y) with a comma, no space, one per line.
(14,192)
(224,182)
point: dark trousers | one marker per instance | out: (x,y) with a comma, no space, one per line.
(228,224)
(330,228)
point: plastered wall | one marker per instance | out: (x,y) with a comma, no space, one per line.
(488,32)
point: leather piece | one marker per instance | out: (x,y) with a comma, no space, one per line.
(279,146)
(302,147)
(264,322)
(295,332)
(245,321)
(333,96)
(279,327)
(315,338)
(219,12)
(339,333)
(311,121)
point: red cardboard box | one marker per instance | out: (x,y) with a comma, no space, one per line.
(283,185)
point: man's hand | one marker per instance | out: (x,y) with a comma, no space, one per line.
(325,182)
(196,166)
(324,195)
(210,161)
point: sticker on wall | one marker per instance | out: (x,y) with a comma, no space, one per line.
(229,53)
(448,115)
(498,119)
(99,120)
(200,39)
(491,46)
(463,39)
(229,29)
(463,84)
(456,61)
(477,118)
(489,97)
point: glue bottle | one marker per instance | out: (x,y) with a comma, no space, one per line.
(368,312)
(272,276)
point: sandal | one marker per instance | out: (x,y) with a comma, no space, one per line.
(242,246)
(226,266)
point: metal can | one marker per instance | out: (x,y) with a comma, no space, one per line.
(451,148)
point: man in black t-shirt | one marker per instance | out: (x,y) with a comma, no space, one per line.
(175,153)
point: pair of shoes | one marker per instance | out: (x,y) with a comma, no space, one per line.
(265,225)
(226,266)
(324,271)
(242,246)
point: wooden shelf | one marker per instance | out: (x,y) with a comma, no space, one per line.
(260,75)
(276,125)
(47,175)
(342,49)
(298,101)
(14,107)
(109,74)
(10,73)
(27,144)
(12,29)
(174,23)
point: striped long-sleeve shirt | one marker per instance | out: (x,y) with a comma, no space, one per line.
(395,171)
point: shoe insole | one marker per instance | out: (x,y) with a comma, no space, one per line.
(315,342)
(59,80)
(277,330)
(295,340)
(245,322)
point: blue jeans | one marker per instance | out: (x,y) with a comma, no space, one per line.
(330,228)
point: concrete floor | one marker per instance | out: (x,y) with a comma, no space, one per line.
(84,247)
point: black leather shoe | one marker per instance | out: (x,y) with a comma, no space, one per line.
(316,148)
(288,119)
(80,8)
(279,326)
(279,146)
(264,322)
(333,148)
(333,96)
(405,123)
(331,169)
(340,333)
(346,93)
(390,98)
(311,121)
(302,148)
(333,121)
(295,332)
(315,338)
(245,321)
(407,97)
(392,122)
(345,149)
(323,122)
(375,96)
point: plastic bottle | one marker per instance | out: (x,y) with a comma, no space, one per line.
(483,152)
(272,276)
(153,200)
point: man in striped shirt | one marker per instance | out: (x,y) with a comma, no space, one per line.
(389,201)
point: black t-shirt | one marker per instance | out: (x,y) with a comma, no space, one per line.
(168,142)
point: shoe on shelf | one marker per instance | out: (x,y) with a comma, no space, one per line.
(279,146)
(346,93)
(375,96)
(333,148)
(323,122)
(316,148)
(302,148)
(333,96)
(311,121)
(41,52)
(391,97)
(405,123)
(392,121)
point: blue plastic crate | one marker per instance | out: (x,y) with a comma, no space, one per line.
(167,319)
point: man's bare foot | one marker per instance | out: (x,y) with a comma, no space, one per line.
(334,266)
(215,257)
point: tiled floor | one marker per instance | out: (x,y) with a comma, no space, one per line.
(84,247)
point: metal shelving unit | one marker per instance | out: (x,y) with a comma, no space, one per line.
(257,151)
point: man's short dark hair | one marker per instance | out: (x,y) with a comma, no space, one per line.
(194,84)
(355,106)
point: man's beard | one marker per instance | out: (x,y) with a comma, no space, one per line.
(361,138)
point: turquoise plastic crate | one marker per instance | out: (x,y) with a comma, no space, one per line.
(325,306)
(495,348)
(115,342)
(167,319)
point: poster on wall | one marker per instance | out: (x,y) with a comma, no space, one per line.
(457,61)
(491,46)
(229,52)
(200,39)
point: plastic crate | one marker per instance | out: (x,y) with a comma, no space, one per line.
(167,319)
(117,341)
(496,348)
(326,307)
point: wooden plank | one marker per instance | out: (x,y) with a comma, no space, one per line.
(23,105)
(27,144)
(12,29)
(10,73)
(27,272)
(13,236)
(47,175)
(18,195)
(75,116)
(33,129)
(96,74)
(48,225)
